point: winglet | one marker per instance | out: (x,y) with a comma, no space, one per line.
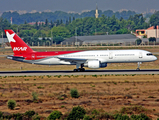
(17,44)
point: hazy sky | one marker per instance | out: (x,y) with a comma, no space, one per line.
(78,5)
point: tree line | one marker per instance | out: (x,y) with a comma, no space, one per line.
(59,30)
(60,15)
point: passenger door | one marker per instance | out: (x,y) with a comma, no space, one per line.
(110,55)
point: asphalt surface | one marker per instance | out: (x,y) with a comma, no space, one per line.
(69,72)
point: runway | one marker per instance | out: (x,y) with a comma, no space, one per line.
(69,72)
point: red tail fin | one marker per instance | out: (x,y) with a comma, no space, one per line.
(17,44)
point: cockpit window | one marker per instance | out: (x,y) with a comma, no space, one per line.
(148,54)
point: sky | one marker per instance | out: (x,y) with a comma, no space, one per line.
(78,5)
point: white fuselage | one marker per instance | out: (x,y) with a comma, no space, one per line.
(104,56)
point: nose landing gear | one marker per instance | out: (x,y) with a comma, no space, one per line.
(138,68)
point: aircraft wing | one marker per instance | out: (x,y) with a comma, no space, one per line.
(75,60)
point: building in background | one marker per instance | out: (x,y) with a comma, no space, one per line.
(38,23)
(147,33)
(118,39)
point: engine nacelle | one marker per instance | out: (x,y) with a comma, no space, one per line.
(95,64)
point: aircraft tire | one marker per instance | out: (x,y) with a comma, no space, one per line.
(138,69)
(75,70)
(79,70)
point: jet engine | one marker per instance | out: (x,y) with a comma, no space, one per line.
(95,64)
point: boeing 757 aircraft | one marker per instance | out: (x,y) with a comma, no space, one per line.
(92,59)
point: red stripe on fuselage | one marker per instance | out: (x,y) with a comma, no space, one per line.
(41,55)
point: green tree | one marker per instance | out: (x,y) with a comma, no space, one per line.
(154,19)
(140,117)
(152,39)
(61,21)
(121,117)
(18,116)
(36,117)
(87,117)
(77,113)
(46,22)
(60,31)
(25,22)
(74,93)
(70,19)
(67,22)
(4,24)
(29,114)
(36,25)
(58,39)
(57,23)
(112,23)
(138,41)
(55,115)
(52,24)
(74,18)
(122,31)
(11,104)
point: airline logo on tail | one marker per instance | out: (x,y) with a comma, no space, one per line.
(19,48)
(10,37)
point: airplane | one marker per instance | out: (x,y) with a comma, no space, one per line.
(92,59)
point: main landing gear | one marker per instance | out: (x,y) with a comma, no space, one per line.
(79,69)
(138,64)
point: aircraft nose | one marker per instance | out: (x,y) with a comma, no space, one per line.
(155,58)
